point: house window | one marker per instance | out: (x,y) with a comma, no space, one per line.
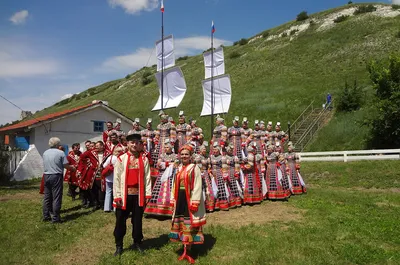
(98,126)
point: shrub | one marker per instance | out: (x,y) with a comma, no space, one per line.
(146,78)
(182,58)
(242,41)
(398,34)
(364,9)
(91,91)
(341,18)
(385,121)
(284,34)
(234,55)
(154,66)
(265,34)
(350,2)
(146,74)
(395,7)
(312,22)
(127,76)
(302,16)
(293,31)
(350,99)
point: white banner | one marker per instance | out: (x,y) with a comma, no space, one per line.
(222,95)
(218,65)
(174,88)
(169,55)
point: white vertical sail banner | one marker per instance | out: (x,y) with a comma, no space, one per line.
(222,95)
(169,55)
(174,88)
(218,66)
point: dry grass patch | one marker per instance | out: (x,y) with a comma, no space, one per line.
(31,196)
(258,214)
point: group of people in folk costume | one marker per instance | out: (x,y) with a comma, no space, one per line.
(243,166)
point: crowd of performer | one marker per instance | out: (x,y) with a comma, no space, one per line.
(239,166)
(172,172)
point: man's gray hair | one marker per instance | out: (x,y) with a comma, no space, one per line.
(54,142)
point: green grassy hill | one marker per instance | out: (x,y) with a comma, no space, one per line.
(275,75)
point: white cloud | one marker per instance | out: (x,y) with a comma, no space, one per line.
(139,58)
(20,60)
(135,6)
(19,17)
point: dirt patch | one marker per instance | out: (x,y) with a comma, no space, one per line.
(257,214)
(32,196)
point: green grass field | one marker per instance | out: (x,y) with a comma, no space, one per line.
(349,216)
(271,79)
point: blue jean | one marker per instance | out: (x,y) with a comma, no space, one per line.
(53,189)
(109,197)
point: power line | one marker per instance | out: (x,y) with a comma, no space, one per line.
(15,105)
(11,102)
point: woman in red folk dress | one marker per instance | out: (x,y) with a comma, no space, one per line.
(160,202)
(195,136)
(189,213)
(222,198)
(293,171)
(230,171)
(202,162)
(275,178)
(235,138)
(252,190)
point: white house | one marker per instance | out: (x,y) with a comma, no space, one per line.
(72,126)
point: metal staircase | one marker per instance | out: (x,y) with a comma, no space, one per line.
(306,126)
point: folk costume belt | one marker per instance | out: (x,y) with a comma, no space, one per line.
(133,190)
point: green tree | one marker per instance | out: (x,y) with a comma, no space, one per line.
(302,16)
(350,99)
(385,121)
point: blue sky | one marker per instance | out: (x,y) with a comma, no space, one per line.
(52,48)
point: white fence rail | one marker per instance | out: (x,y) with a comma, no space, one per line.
(345,156)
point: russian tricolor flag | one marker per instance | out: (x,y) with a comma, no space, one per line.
(162,6)
(212,27)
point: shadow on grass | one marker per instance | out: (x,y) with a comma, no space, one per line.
(155,243)
(201,250)
(76,215)
(75,208)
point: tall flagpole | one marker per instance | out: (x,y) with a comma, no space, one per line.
(212,77)
(162,55)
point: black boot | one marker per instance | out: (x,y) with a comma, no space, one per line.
(137,247)
(118,251)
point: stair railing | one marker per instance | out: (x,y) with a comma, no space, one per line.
(302,117)
(310,132)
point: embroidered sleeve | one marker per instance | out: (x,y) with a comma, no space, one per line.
(147,178)
(197,189)
(118,169)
